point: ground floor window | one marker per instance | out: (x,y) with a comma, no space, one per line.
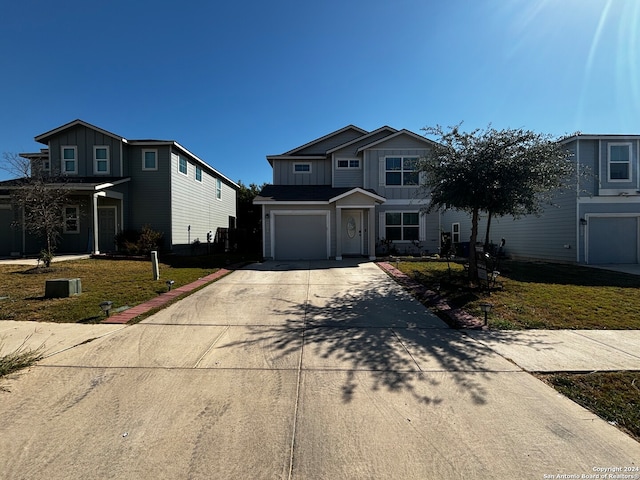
(71,219)
(402,226)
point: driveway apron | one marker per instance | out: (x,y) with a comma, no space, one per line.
(298,370)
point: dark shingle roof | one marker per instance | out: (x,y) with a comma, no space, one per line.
(301,193)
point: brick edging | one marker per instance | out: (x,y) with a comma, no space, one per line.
(164,298)
(455,317)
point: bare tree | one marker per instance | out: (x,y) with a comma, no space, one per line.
(41,198)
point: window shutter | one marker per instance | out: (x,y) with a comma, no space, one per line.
(381,226)
(422,178)
(381,176)
(423,227)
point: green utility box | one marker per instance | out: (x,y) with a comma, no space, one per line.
(62,287)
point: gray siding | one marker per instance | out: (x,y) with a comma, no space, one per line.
(85,139)
(320,173)
(430,226)
(586,155)
(352,149)
(604,160)
(149,199)
(545,238)
(329,143)
(194,204)
(375,173)
(347,177)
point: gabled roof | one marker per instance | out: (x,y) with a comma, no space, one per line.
(364,137)
(319,194)
(395,135)
(321,139)
(42,138)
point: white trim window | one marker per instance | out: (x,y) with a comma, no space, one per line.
(218,189)
(401,171)
(71,214)
(348,164)
(198,173)
(69,159)
(302,167)
(182,165)
(455,232)
(149,159)
(101,162)
(402,226)
(619,162)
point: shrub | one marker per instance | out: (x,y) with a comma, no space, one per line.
(134,242)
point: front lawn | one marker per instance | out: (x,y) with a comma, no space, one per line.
(613,396)
(540,295)
(124,282)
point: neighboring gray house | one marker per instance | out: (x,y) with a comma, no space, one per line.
(118,184)
(597,222)
(348,193)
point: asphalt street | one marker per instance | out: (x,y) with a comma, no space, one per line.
(298,370)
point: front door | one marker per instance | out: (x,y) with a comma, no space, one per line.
(106,229)
(352,232)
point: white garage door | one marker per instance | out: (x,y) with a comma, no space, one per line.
(300,237)
(613,240)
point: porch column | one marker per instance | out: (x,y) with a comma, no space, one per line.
(338,233)
(94,209)
(372,233)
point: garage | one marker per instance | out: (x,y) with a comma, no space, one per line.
(613,240)
(301,236)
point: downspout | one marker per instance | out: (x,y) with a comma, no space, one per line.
(94,202)
(578,206)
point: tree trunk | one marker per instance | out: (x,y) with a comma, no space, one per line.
(473,258)
(486,236)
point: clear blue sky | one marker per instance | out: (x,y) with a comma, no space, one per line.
(235,81)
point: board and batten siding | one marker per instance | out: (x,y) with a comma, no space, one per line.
(85,139)
(374,169)
(333,141)
(320,174)
(194,204)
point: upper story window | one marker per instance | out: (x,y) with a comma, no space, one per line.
(69,156)
(218,189)
(401,171)
(301,168)
(198,173)
(346,164)
(101,164)
(619,162)
(182,165)
(71,219)
(149,159)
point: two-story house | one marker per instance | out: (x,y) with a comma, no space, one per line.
(595,222)
(348,193)
(117,184)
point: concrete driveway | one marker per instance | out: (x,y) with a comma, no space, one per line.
(295,370)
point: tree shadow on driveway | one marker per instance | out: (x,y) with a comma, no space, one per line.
(380,330)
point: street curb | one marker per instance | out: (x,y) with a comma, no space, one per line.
(454,317)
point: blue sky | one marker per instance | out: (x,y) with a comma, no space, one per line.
(236,81)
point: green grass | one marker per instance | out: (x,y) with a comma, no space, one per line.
(541,295)
(613,396)
(124,282)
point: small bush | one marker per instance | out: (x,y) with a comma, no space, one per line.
(143,242)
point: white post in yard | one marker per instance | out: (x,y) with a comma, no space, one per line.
(154,265)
